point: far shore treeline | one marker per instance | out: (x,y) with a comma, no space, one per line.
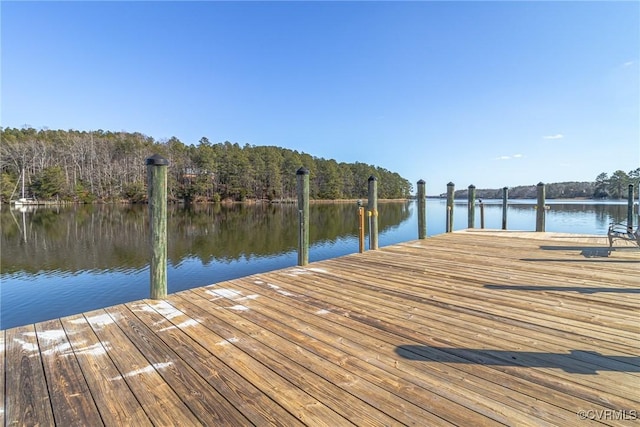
(82,166)
(105,166)
(615,186)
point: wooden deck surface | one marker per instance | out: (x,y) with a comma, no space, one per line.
(469,328)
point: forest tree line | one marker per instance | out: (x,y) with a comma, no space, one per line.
(83,166)
(614,186)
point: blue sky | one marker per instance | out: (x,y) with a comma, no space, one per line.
(486,93)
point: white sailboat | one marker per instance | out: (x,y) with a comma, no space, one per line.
(23,200)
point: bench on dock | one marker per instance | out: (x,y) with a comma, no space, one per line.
(623,231)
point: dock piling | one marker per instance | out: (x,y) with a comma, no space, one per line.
(303,213)
(471,223)
(450,192)
(373,212)
(630,209)
(157,193)
(505,197)
(540,208)
(422,210)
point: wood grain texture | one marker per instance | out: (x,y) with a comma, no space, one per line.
(2,378)
(27,400)
(71,399)
(115,401)
(475,328)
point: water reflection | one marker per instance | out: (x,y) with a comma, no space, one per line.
(115,238)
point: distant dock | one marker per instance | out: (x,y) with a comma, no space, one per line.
(469,328)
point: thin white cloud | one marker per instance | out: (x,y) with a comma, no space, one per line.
(515,156)
(556,136)
(628,63)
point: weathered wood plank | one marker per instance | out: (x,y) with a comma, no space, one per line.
(223,342)
(441,355)
(546,257)
(512,271)
(115,401)
(505,269)
(2,379)
(161,404)
(205,402)
(334,328)
(365,356)
(343,383)
(27,397)
(317,386)
(168,323)
(508,269)
(371,308)
(71,399)
(448,293)
(474,328)
(394,289)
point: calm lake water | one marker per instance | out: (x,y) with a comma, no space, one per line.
(66,260)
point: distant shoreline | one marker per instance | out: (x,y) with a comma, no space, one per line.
(315,201)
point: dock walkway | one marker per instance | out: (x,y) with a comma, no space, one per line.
(469,328)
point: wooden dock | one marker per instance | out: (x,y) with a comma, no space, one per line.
(469,328)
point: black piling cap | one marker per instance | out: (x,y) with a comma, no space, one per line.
(472,186)
(302,171)
(422,181)
(540,184)
(451,184)
(157,160)
(373,178)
